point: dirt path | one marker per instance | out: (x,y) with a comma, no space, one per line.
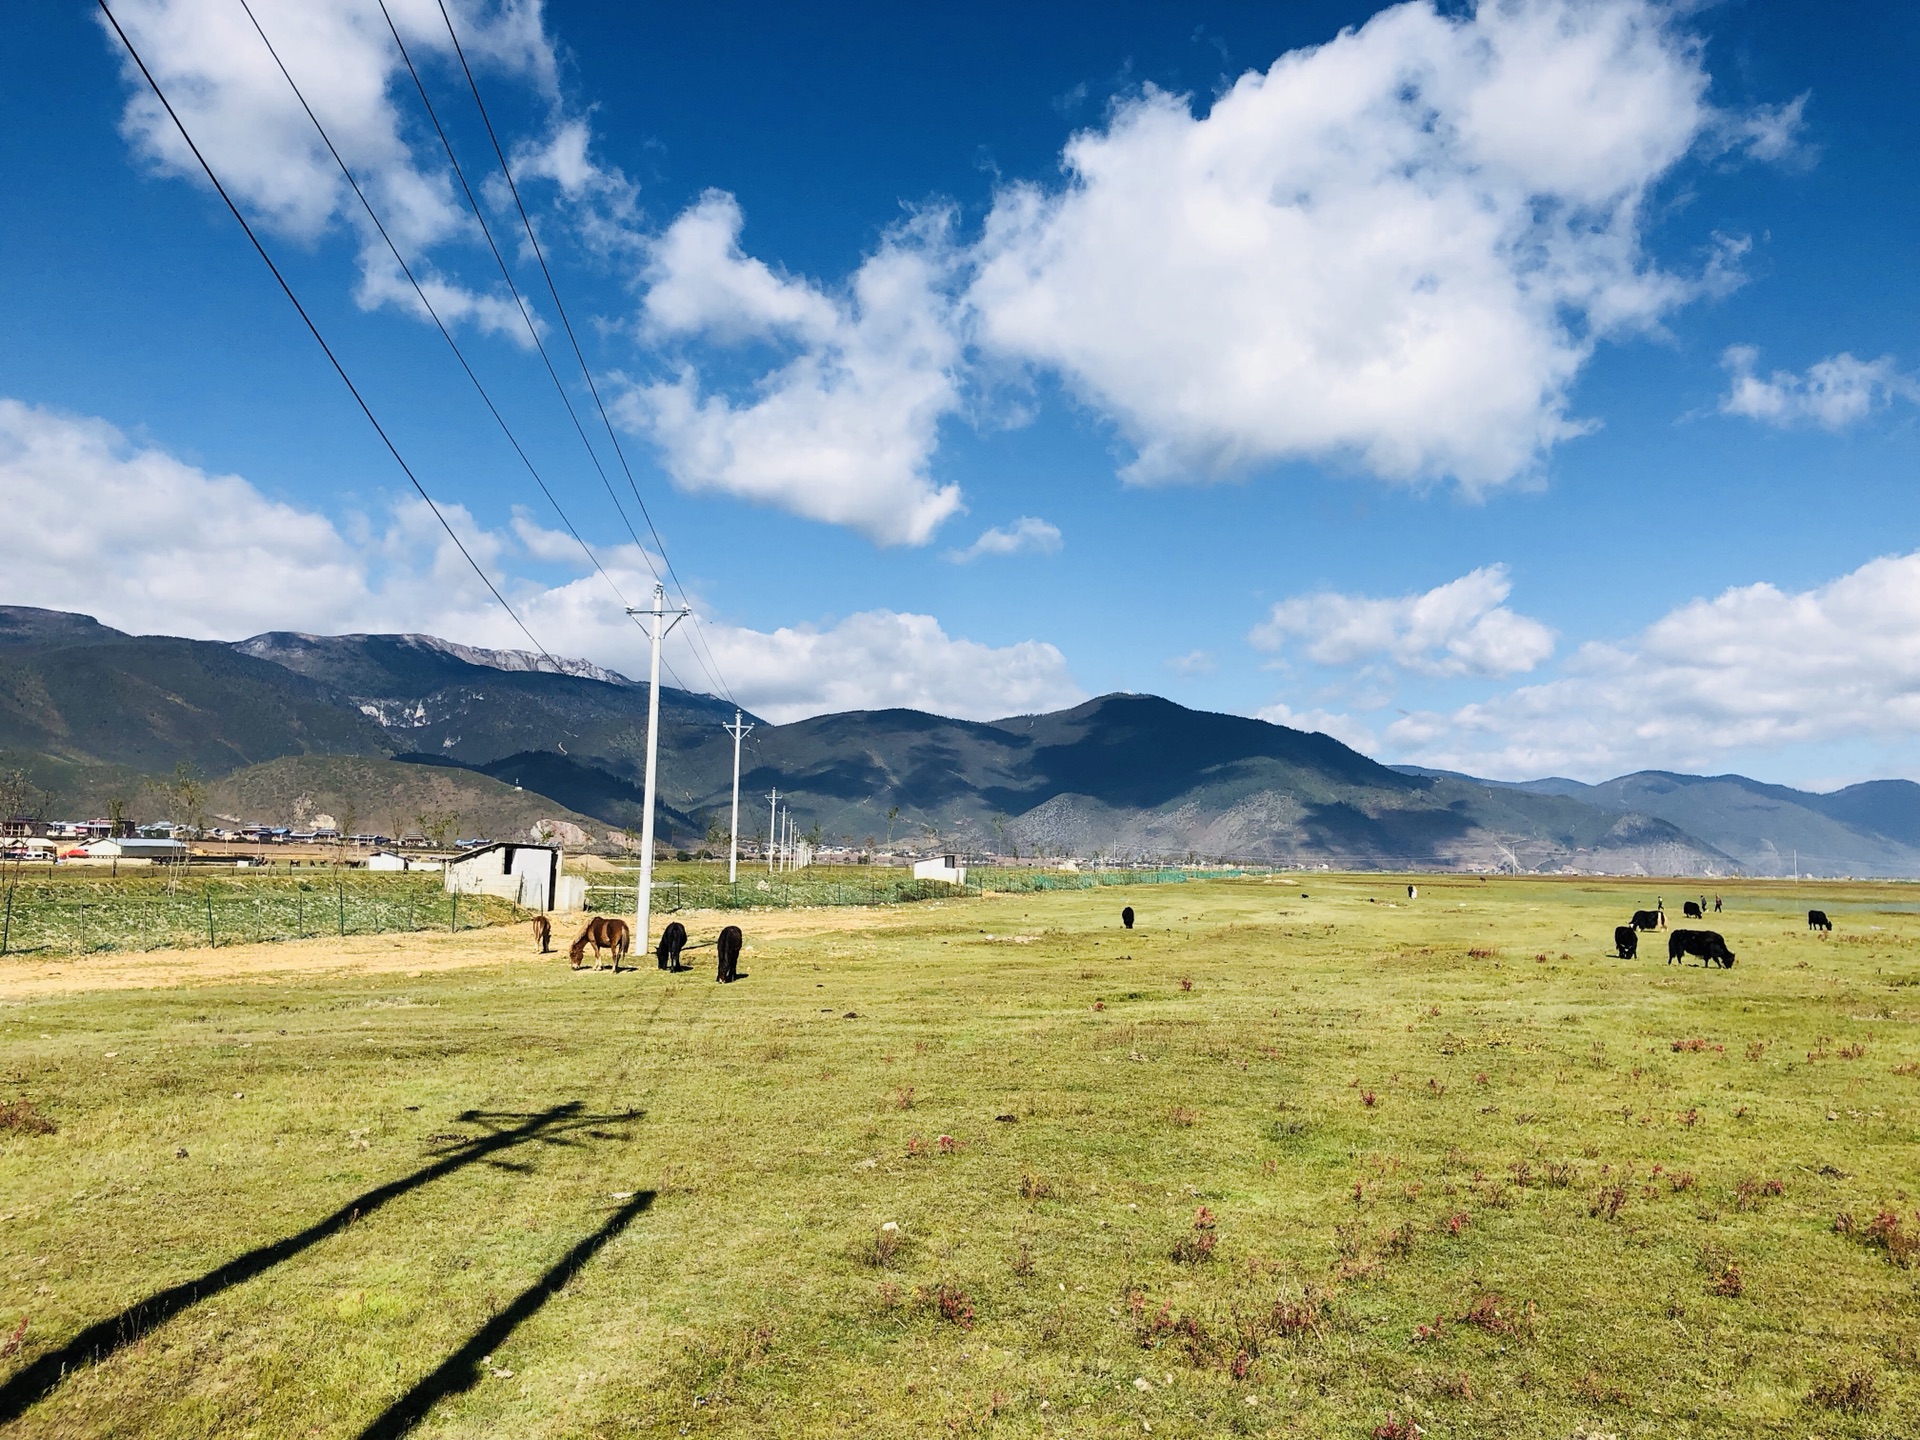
(416,953)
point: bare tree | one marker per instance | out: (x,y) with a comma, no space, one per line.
(20,798)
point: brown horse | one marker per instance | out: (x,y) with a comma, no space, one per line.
(543,933)
(603,931)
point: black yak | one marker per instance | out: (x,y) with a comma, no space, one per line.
(1626,941)
(1126,917)
(1649,919)
(1692,911)
(673,940)
(729,947)
(1817,920)
(1707,944)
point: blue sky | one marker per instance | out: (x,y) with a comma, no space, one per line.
(1529,390)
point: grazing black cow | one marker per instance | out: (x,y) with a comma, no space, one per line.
(1817,920)
(1707,944)
(673,940)
(729,947)
(1649,919)
(1626,941)
(1126,917)
(1693,911)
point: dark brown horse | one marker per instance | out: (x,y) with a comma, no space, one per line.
(543,933)
(603,931)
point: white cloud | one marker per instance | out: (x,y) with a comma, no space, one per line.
(1460,628)
(1344,728)
(1194,662)
(883,658)
(1026,536)
(250,125)
(1396,249)
(149,544)
(1833,393)
(844,430)
(1755,668)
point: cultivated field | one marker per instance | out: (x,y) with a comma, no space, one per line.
(983,1166)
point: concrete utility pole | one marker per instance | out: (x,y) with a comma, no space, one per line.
(773,815)
(738,730)
(643,906)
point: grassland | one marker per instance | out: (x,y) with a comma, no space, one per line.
(1325,1164)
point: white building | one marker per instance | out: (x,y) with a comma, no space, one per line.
(131,848)
(528,875)
(391,860)
(941,867)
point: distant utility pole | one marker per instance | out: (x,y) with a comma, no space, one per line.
(773,826)
(738,730)
(643,907)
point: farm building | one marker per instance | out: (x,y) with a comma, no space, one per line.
(391,860)
(130,847)
(528,875)
(941,867)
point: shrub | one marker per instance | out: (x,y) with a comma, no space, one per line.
(1752,1190)
(1857,1392)
(1608,1204)
(953,1305)
(1198,1247)
(21,1117)
(1495,1314)
(886,1245)
(1726,1280)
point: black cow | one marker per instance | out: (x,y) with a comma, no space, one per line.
(1649,920)
(1126,917)
(1707,944)
(673,940)
(1626,941)
(1693,911)
(729,947)
(1817,920)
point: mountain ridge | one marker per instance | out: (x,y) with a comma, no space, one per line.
(1124,775)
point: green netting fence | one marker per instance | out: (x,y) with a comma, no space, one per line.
(865,885)
(68,916)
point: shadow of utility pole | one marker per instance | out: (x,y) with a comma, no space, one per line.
(461,1371)
(99,1341)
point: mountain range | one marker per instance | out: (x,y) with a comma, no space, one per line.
(398,727)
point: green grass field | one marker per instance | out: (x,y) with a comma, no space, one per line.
(1444,1164)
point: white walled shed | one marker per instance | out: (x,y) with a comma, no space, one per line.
(941,867)
(528,875)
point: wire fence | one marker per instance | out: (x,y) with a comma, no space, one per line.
(866,885)
(77,917)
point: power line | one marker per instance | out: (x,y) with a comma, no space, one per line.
(314,330)
(533,331)
(566,323)
(427,304)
